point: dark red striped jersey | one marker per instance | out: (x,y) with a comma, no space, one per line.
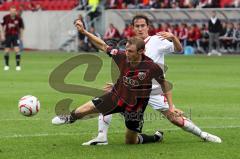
(12,25)
(133,86)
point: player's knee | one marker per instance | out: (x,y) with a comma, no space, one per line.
(130,141)
(131,137)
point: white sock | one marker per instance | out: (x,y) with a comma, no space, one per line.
(189,126)
(103,124)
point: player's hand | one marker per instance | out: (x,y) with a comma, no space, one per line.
(179,112)
(78,23)
(108,87)
(3,38)
(171,108)
(166,35)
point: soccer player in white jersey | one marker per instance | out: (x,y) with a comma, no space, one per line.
(156,47)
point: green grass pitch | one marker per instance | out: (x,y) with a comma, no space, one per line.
(208,86)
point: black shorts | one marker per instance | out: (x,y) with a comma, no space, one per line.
(108,104)
(12,41)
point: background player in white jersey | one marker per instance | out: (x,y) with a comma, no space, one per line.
(156,47)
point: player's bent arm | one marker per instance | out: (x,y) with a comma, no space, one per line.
(21,34)
(169,36)
(2,36)
(99,43)
(177,44)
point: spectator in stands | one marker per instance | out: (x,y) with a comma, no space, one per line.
(81,37)
(214,4)
(111,4)
(191,36)
(155,4)
(152,30)
(175,30)
(83,4)
(224,28)
(236,3)
(127,32)
(215,28)
(203,4)
(31,7)
(183,34)
(174,4)
(38,7)
(197,35)
(228,39)
(112,33)
(94,9)
(204,41)
(237,37)
(167,27)
(159,28)
(145,3)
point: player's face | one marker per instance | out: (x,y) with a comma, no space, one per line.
(131,52)
(13,11)
(141,28)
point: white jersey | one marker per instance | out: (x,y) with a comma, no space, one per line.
(156,47)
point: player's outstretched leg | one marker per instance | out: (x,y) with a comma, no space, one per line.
(6,61)
(103,125)
(86,109)
(187,125)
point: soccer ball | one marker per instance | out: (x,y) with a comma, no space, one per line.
(29,105)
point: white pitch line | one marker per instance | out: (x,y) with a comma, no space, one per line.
(115,132)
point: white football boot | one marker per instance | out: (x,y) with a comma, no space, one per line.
(6,68)
(96,141)
(211,138)
(18,68)
(59,120)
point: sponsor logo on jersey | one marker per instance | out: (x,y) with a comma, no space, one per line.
(114,52)
(141,75)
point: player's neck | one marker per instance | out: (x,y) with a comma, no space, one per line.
(145,37)
(135,62)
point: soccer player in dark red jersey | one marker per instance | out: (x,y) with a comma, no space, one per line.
(131,92)
(13,28)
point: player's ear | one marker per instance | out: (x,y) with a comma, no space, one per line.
(141,51)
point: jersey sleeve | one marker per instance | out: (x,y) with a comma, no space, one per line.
(164,46)
(117,55)
(157,73)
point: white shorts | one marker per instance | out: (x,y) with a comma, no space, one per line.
(158,102)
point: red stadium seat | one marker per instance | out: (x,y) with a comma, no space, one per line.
(45,4)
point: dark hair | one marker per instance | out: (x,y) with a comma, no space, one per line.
(140,44)
(12,7)
(140,16)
